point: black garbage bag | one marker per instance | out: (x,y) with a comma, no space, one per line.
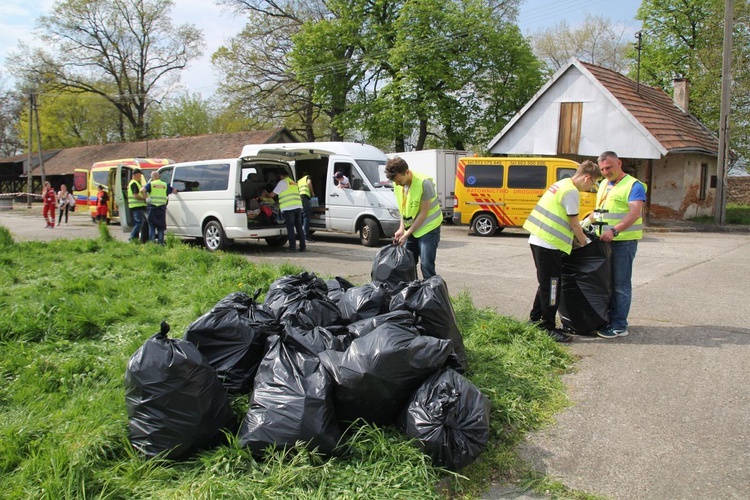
(430,301)
(321,339)
(337,287)
(307,309)
(586,288)
(449,418)
(394,264)
(232,336)
(284,289)
(405,318)
(292,400)
(175,402)
(363,302)
(378,373)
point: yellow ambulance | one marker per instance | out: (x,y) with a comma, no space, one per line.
(86,182)
(493,193)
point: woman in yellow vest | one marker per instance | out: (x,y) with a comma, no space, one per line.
(620,201)
(554,226)
(290,204)
(421,216)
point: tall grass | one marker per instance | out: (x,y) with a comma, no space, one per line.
(735,214)
(76,310)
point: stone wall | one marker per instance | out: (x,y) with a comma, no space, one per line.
(738,190)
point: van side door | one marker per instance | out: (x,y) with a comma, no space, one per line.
(344,205)
(123,175)
(526,185)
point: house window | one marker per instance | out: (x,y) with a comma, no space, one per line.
(704,181)
(569,129)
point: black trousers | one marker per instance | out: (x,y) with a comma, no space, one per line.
(548,264)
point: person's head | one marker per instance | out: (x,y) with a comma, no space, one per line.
(137,173)
(155,175)
(283,174)
(63,187)
(47,185)
(339,175)
(397,171)
(610,165)
(100,187)
(586,175)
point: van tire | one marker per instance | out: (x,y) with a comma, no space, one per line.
(369,233)
(484,225)
(213,236)
(276,241)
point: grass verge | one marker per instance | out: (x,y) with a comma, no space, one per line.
(76,310)
(736,214)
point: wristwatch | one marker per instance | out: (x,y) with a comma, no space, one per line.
(615,232)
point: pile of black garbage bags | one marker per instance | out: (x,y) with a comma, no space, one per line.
(314,357)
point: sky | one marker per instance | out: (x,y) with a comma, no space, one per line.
(18,17)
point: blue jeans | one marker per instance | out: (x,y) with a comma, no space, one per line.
(623,255)
(424,250)
(294,231)
(306,209)
(139,215)
(157,223)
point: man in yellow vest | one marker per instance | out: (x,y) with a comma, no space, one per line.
(306,192)
(156,193)
(619,204)
(421,216)
(290,204)
(136,205)
(554,227)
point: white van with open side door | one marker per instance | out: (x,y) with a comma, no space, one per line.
(367,208)
(216,200)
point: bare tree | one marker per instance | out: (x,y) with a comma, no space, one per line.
(122,50)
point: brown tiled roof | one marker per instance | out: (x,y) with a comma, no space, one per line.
(657,112)
(202,147)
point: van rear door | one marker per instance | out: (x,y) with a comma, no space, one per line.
(81,188)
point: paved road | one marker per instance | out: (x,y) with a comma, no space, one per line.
(663,413)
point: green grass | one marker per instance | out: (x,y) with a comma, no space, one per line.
(74,311)
(736,214)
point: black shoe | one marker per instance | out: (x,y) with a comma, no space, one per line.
(560,336)
(303,249)
(310,240)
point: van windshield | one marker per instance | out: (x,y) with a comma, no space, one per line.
(374,170)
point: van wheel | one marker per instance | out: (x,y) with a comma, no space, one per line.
(276,241)
(484,225)
(213,236)
(369,233)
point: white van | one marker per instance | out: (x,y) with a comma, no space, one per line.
(367,208)
(213,202)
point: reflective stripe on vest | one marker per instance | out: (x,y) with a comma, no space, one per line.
(289,197)
(549,221)
(616,204)
(134,202)
(304,189)
(158,193)
(409,208)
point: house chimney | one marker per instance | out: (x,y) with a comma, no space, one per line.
(681,93)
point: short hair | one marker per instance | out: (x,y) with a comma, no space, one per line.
(155,175)
(608,154)
(137,171)
(395,166)
(588,167)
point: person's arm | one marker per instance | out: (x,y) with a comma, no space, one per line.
(634,213)
(310,186)
(577,230)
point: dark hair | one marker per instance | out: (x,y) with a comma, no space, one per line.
(395,166)
(588,167)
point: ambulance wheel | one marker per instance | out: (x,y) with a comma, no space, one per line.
(213,236)
(484,225)
(369,233)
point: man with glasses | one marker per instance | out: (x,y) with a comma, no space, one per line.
(554,226)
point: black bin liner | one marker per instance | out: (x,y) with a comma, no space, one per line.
(449,418)
(286,289)
(292,399)
(430,301)
(403,317)
(393,264)
(232,336)
(175,401)
(378,373)
(585,288)
(363,302)
(337,287)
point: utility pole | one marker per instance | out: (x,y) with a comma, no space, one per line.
(638,47)
(39,139)
(726,77)
(29,166)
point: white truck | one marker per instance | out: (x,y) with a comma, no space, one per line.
(440,166)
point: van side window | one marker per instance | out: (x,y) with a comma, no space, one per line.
(563,173)
(527,177)
(483,176)
(211,177)
(101,177)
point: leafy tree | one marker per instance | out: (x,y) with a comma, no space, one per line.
(185,115)
(121,50)
(597,41)
(685,38)
(10,142)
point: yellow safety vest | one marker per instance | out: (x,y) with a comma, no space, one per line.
(158,193)
(615,202)
(409,207)
(304,189)
(549,221)
(134,202)
(289,197)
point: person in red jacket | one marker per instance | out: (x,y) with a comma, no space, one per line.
(49,200)
(102,204)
